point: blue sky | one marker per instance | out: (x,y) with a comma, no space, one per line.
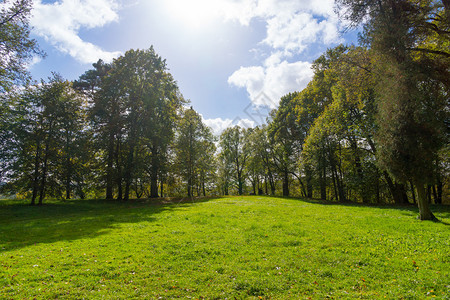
(228,56)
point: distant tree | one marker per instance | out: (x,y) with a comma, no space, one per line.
(287,136)
(235,152)
(193,142)
(16,47)
(207,163)
(256,164)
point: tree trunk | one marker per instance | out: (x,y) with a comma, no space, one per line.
(189,187)
(240,183)
(422,201)
(203,188)
(265,185)
(397,190)
(302,185)
(323,182)
(68,166)
(44,175)
(429,193)
(359,169)
(109,168)
(36,174)
(309,186)
(413,193)
(285,184)
(119,171)
(128,173)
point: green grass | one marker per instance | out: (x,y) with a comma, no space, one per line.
(235,248)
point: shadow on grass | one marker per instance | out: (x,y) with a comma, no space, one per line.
(22,225)
(441,211)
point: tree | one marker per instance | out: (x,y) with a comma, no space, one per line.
(47,139)
(286,136)
(409,40)
(193,145)
(235,151)
(16,46)
(261,160)
(136,109)
(89,85)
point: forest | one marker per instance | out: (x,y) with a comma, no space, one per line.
(371,127)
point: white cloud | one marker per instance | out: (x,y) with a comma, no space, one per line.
(291,27)
(60,22)
(273,81)
(218,125)
(246,123)
(293,33)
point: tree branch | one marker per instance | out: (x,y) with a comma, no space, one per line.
(429,51)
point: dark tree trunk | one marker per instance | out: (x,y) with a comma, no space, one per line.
(422,201)
(323,177)
(203,188)
(397,190)
(44,174)
(36,174)
(338,187)
(413,192)
(129,173)
(254,187)
(429,193)
(285,183)
(68,167)
(302,186)
(359,170)
(309,186)
(265,185)
(438,189)
(119,171)
(435,197)
(189,187)
(271,182)
(240,183)
(109,169)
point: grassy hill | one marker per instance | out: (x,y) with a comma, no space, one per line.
(236,247)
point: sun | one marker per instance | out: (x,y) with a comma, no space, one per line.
(194,14)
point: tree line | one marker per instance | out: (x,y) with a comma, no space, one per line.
(371,126)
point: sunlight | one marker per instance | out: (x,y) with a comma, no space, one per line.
(193,14)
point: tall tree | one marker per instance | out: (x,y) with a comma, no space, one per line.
(89,84)
(137,107)
(410,42)
(16,47)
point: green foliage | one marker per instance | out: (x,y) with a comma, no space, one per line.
(235,152)
(194,148)
(238,247)
(135,111)
(48,138)
(16,47)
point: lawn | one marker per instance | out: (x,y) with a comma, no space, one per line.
(235,248)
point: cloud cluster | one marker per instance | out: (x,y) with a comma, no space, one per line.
(273,80)
(291,27)
(60,22)
(218,125)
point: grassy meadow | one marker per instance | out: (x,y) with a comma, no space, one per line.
(221,248)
